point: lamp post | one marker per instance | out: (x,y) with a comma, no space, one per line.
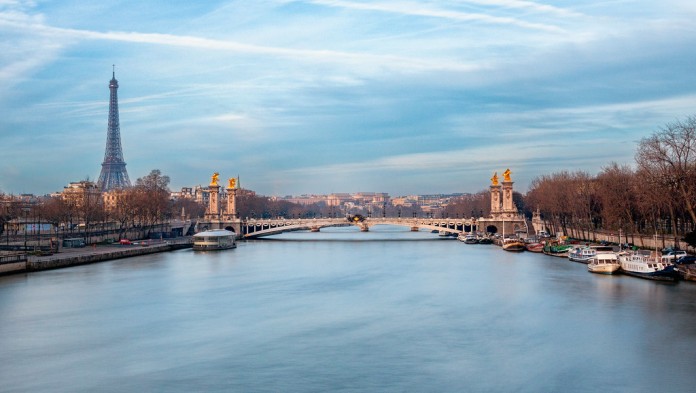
(39,231)
(26,213)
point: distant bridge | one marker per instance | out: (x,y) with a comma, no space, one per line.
(254,228)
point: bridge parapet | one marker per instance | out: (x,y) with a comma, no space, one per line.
(252,228)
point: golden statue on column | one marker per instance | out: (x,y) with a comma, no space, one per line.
(231,182)
(506,175)
(494,179)
(214,179)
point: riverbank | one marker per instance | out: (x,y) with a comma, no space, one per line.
(98,253)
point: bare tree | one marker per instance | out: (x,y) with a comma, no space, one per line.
(669,157)
(552,195)
(471,205)
(151,199)
(617,192)
(10,208)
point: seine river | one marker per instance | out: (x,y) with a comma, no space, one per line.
(383,311)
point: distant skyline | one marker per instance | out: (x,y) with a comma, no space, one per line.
(323,96)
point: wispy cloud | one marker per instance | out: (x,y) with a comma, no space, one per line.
(326,56)
(416,9)
(526,5)
(315,95)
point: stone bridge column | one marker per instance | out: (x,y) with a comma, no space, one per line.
(232,203)
(508,205)
(213,201)
(495,200)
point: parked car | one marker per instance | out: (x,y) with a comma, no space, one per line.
(674,255)
(686,260)
(124,241)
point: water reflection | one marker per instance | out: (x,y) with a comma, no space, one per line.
(372,311)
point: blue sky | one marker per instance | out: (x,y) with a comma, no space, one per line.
(321,96)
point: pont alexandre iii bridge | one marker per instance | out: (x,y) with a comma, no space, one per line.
(257,228)
(504,217)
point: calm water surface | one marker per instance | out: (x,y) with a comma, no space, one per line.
(340,310)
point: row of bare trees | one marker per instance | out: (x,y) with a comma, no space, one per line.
(250,205)
(658,196)
(142,206)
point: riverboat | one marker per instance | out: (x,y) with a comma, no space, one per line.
(468,238)
(604,263)
(583,254)
(512,244)
(214,239)
(535,247)
(642,265)
(687,272)
(484,240)
(555,249)
(686,267)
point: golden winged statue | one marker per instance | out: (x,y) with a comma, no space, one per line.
(494,179)
(214,180)
(506,175)
(231,182)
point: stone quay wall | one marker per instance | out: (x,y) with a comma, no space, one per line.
(643,241)
(93,255)
(13,263)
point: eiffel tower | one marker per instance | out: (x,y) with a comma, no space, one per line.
(113,174)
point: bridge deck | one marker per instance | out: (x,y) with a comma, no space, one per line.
(257,228)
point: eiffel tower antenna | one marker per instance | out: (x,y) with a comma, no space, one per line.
(113,173)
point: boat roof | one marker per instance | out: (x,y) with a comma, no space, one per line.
(215,233)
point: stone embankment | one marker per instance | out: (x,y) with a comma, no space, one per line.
(82,256)
(13,263)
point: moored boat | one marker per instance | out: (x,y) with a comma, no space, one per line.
(468,238)
(512,244)
(686,267)
(214,239)
(583,254)
(484,240)
(644,266)
(604,263)
(556,249)
(687,272)
(535,247)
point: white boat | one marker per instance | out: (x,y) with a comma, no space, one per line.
(468,238)
(214,239)
(645,266)
(604,263)
(583,254)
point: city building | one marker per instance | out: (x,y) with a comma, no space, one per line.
(81,193)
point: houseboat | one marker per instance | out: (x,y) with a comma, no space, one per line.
(604,263)
(583,254)
(214,239)
(513,244)
(645,266)
(468,238)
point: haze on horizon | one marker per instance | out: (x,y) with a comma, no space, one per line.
(322,96)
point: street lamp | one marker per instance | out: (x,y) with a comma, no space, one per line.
(26,213)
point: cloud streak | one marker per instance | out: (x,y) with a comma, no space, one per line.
(399,96)
(399,63)
(415,9)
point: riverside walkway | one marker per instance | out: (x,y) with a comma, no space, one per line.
(92,254)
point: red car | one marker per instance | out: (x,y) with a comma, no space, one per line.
(124,241)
